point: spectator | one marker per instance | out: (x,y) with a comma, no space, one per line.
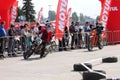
(36,30)
(22,38)
(72,33)
(27,35)
(65,38)
(76,34)
(2,39)
(11,34)
(80,38)
(86,29)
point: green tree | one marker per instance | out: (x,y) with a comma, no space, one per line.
(28,10)
(82,19)
(74,17)
(20,13)
(51,15)
(97,18)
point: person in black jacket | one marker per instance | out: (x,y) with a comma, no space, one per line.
(11,34)
(65,39)
(72,33)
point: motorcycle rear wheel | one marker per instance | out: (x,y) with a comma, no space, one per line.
(100,44)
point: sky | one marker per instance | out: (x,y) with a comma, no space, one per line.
(90,8)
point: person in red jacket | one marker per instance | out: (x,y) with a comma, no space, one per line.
(46,36)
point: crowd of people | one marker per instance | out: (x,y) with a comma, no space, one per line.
(79,35)
(24,36)
(74,36)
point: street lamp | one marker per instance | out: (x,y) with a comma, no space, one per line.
(49,12)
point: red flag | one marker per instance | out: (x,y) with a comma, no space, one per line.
(14,12)
(5,11)
(61,18)
(113,23)
(106,4)
(68,18)
(40,15)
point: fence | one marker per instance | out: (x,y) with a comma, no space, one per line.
(113,37)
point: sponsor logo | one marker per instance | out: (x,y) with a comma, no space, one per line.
(14,14)
(106,12)
(62,15)
(115,8)
(0,17)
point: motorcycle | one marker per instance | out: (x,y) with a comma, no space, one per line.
(36,48)
(95,40)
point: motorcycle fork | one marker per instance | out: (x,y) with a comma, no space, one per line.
(96,40)
(93,39)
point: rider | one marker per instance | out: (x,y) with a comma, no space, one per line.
(99,28)
(45,36)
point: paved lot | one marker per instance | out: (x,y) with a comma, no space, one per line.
(59,65)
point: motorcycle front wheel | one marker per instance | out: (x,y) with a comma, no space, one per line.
(28,53)
(90,47)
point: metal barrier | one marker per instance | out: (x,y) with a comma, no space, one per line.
(113,37)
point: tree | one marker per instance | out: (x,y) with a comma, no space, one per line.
(97,18)
(74,17)
(52,15)
(20,13)
(28,10)
(82,19)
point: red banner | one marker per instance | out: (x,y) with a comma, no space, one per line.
(106,4)
(14,12)
(61,18)
(114,16)
(5,11)
(40,15)
(113,23)
(68,17)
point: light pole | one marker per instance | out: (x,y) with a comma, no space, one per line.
(49,13)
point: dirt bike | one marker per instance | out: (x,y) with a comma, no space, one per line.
(36,48)
(96,40)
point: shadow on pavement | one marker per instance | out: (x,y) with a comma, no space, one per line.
(31,59)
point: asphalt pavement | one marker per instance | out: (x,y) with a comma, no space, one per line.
(59,65)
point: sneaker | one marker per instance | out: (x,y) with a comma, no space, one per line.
(2,56)
(9,55)
(72,48)
(41,56)
(14,55)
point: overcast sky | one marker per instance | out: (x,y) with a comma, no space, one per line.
(88,7)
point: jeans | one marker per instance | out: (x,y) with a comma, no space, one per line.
(2,45)
(44,43)
(11,46)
